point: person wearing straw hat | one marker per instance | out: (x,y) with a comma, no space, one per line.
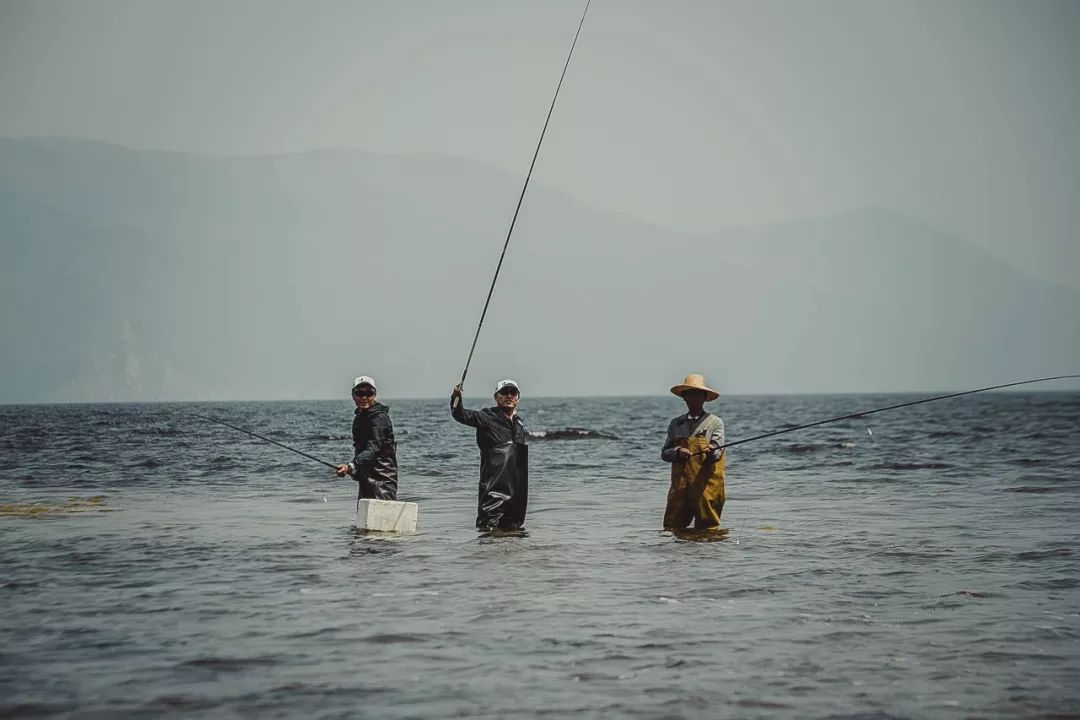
(374,464)
(697,462)
(503,494)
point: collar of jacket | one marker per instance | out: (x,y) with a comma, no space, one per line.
(495,409)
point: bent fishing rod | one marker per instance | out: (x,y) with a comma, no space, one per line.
(257,435)
(883,409)
(521,198)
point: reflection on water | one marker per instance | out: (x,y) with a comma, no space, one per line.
(373,542)
(702,536)
(483,534)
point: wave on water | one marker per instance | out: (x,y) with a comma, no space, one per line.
(1033,489)
(944,434)
(229,663)
(163,431)
(912,466)
(803,448)
(1044,554)
(331,436)
(30,445)
(570,433)
(393,638)
(978,595)
(222,462)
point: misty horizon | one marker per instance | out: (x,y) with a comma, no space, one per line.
(844,197)
(303,213)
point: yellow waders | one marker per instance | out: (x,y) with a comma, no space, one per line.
(697,488)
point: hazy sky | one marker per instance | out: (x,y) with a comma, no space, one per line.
(691,115)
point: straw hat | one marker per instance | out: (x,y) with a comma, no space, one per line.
(694,381)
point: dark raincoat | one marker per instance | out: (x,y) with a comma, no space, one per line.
(504,466)
(375,462)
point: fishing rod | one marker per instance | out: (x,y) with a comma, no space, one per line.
(871,412)
(248,432)
(521,198)
(883,409)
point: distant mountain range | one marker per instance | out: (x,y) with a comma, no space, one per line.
(128,275)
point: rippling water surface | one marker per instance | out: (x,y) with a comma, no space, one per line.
(926,570)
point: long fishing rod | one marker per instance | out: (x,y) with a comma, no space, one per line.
(890,407)
(521,198)
(248,432)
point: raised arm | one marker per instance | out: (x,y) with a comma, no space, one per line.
(458,411)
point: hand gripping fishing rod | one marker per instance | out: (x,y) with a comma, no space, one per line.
(883,409)
(521,198)
(248,432)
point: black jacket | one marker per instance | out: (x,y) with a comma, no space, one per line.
(503,494)
(375,461)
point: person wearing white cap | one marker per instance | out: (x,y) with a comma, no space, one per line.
(374,464)
(697,462)
(503,494)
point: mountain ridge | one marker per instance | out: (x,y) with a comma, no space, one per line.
(165,275)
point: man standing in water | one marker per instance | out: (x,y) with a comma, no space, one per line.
(374,465)
(697,462)
(504,457)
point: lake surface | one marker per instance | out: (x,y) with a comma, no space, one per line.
(928,569)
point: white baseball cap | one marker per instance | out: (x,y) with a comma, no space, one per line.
(506,383)
(364,380)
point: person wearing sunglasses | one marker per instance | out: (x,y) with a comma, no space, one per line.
(374,465)
(503,494)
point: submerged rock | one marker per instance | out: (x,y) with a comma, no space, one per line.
(69,506)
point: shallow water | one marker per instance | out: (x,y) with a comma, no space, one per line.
(927,570)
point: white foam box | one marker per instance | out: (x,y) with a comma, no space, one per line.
(387,516)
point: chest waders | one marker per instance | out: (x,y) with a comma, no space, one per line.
(697,488)
(504,487)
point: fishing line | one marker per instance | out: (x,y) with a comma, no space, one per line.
(871,412)
(248,432)
(745,515)
(883,409)
(522,197)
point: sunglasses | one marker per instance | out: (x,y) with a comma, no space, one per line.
(363,393)
(512,392)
